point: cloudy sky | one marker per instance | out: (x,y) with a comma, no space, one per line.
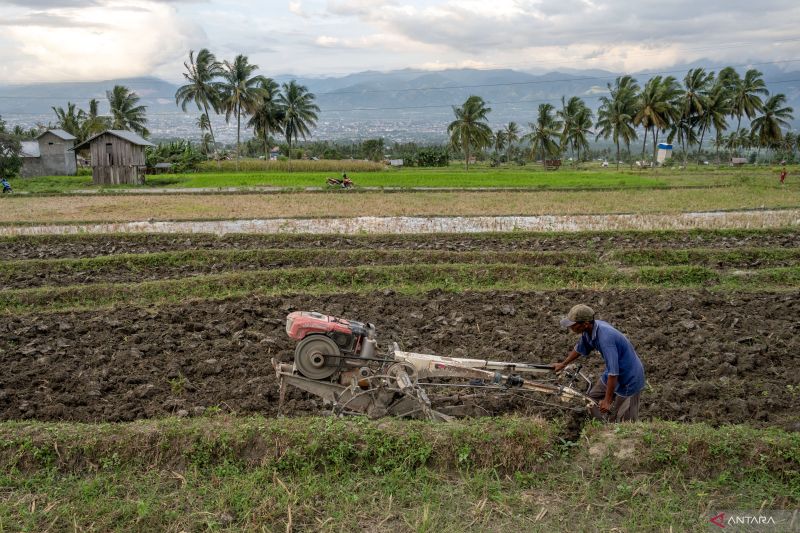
(60,40)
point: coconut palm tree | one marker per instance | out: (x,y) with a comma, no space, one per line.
(299,112)
(544,134)
(790,143)
(684,132)
(202,88)
(126,114)
(696,85)
(512,136)
(268,117)
(616,112)
(203,123)
(240,93)
(767,127)
(94,123)
(745,98)
(737,140)
(577,123)
(656,107)
(70,119)
(729,78)
(717,108)
(499,142)
(469,129)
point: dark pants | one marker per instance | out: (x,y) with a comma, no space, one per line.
(623,408)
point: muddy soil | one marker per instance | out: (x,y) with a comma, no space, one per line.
(54,247)
(719,358)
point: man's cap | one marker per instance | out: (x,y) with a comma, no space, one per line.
(579,313)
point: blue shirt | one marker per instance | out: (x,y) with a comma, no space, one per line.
(619,355)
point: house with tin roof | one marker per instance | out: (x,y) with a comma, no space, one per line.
(117,157)
(49,154)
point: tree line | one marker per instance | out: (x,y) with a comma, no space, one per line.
(223,87)
(125,113)
(684,113)
(702,107)
(232,88)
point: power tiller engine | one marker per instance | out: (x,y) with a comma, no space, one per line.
(339,361)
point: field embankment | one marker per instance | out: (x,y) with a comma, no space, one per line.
(329,475)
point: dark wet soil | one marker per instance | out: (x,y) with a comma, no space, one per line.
(719,358)
(68,247)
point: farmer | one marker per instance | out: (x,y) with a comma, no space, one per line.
(617,391)
(783,175)
(6,185)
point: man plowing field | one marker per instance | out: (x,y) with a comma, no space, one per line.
(617,391)
(338,360)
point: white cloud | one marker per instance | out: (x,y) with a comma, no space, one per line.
(582,33)
(99,39)
(328,41)
(296,8)
(116,39)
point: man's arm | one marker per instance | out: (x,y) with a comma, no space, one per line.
(558,367)
(611,387)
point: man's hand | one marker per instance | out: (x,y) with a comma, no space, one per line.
(605,405)
(558,367)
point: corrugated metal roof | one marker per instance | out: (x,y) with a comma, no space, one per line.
(61,134)
(122,134)
(131,137)
(30,149)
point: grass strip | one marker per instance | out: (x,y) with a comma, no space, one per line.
(172,264)
(753,257)
(410,279)
(389,475)
(220,260)
(579,238)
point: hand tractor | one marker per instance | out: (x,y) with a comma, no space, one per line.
(339,361)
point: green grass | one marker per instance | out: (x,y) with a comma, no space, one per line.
(407,279)
(580,239)
(529,177)
(194,262)
(217,473)
(224,260)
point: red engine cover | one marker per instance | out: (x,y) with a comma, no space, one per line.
(299,324)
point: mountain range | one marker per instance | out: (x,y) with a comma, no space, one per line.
(401,105)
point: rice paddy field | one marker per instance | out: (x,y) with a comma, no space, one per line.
(137,392)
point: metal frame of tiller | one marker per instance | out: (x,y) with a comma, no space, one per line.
(397,384)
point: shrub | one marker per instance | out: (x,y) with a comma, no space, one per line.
(283,165)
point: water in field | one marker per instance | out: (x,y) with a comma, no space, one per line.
(476,224)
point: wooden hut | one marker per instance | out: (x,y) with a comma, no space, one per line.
(117,157)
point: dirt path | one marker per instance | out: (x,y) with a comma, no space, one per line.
(709,357)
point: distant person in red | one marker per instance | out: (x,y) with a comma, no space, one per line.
(783,175)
